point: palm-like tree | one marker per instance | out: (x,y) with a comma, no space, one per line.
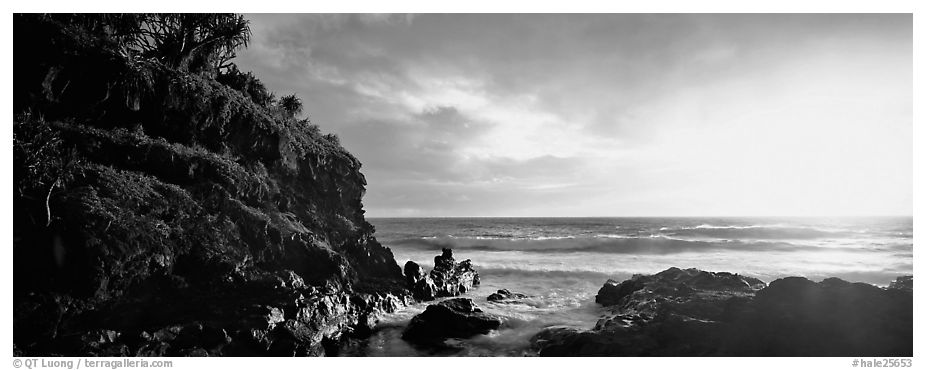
(291,104)
(191,42)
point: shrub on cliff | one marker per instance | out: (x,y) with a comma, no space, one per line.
(144,170)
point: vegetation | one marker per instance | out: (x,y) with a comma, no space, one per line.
(186,42)
(247,84)
(146,161)
(291,104)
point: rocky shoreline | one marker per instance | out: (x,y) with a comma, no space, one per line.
(698,313)
(164,206)
(692,312)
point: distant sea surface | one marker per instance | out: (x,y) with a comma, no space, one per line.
(561,262)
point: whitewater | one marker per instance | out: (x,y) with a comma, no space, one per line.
(561,262)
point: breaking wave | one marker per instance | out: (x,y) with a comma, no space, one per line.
(765,232)
(655,244)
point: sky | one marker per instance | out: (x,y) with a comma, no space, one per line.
(607,114)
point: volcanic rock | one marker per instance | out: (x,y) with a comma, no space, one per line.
(452,318)
(161,210)
(447,279)
(505,295)
(698,313)
(902,283)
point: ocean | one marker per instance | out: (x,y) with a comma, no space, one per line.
(562,262)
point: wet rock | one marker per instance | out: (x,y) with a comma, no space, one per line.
(902,283)
(154,349)
(413,273)
(200,336)
(452,318)
(100,336)
(677,282)
(452,278)
(244,236)
(698,313)
(554,337)
(102,342)
(448,278)
(420,283)
(505,295)
(798,317)
(612,291)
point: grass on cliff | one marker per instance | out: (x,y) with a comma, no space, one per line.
(128,168)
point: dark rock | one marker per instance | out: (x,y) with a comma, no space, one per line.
(186,218)
(452,318)
(698,313)
(612,292)
(798,317)
(420,283)
(556,339)
(447,279)
(413,273)
(505,295)
(677,282)
(902,283)
(451,278)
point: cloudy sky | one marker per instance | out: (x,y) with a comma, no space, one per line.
(607,115)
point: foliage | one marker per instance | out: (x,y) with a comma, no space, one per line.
(149,170)
(291,104)
(191,42)
(41,161)
(186,41)
(246,84)
(149,159)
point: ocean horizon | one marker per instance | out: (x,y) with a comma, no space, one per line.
(560,263)
(462,184)
(842,237)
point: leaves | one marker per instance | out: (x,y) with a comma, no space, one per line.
(291,104)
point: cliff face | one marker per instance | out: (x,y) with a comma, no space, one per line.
(161,212)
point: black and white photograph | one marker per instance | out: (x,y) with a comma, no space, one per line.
(487,184)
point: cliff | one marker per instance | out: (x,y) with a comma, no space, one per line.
(161,210)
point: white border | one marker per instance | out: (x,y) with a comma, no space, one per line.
(571,6)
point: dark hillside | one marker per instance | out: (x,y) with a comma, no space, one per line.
(165,203)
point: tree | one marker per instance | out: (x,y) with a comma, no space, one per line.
(190,42)
(247,84)
(291,104)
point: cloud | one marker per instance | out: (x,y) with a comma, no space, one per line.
(506,114)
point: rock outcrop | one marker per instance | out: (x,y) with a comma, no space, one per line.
(503,295)
(452,318)
(676,282)
(161,211)
(902,283)
(418,282)
(697,313)
(448,278)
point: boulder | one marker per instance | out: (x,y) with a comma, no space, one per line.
(419,283)
(452,278)
(505,295)
(797,317)
(452,318)
(413,273)
(699,313)
(676,282)
(612,292)
(902,283)
(447,279)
